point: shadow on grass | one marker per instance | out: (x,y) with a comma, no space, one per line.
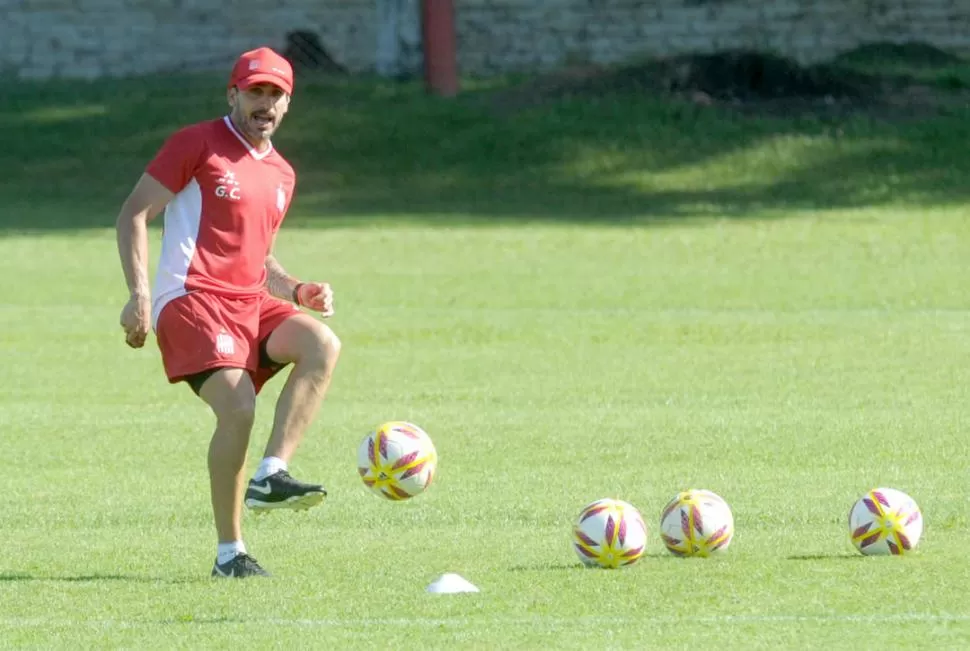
(14,577)
(842,556)
(547,567)
(579,566)
(372,152)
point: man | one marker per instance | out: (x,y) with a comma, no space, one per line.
(225,313)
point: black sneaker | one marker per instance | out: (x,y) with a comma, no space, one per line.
(241,566)
(280,491)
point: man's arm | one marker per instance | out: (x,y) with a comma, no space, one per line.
(316,296)
(279,283)
(146,200)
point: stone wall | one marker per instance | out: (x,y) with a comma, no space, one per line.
(92,38)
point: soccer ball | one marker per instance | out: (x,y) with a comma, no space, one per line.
(609,533)
(397,461)
(885,521)
(696,523)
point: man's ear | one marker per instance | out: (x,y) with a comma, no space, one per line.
(231,95)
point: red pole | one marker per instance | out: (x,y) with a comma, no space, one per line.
(440,56)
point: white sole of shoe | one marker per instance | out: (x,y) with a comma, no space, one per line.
(301,503)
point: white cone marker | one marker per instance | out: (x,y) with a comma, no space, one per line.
(451,584)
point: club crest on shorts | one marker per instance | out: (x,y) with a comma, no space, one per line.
(225,344)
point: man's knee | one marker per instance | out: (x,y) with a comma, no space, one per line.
(331,344)
(238,412)
(231,396)
(323,347)
(305,341)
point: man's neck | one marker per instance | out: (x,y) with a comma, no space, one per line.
(261,145)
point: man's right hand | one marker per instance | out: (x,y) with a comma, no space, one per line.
(136,320)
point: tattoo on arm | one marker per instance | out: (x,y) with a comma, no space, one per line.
(279,283)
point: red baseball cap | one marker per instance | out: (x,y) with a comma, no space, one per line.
(261,66)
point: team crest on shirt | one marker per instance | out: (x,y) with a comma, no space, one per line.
(280,198)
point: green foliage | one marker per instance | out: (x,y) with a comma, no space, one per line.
(375,152)
(912,62)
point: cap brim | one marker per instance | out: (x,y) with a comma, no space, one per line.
(265,78)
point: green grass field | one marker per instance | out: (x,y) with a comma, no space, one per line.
(597,298)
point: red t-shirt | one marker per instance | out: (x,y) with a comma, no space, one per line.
(229,202)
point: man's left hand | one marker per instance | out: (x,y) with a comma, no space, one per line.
(316,296)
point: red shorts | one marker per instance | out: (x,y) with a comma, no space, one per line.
(202,331)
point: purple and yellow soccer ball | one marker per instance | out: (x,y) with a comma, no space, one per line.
(397,461)
(609,533)
(885,522)
(697,523)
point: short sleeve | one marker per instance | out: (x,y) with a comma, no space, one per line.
(176,162)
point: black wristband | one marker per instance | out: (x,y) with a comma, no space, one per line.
(296,293)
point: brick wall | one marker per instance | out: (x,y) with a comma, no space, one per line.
(90,38)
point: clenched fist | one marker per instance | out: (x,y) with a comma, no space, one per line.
(316,296)
(136,320)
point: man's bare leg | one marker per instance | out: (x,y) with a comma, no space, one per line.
(230,394)
(313,349)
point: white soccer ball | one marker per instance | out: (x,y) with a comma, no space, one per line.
(697,523)
(397,461)
(885,521)
(609,533)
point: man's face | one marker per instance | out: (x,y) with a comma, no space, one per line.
(258,110)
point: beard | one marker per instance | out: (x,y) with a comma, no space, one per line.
(258,125)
